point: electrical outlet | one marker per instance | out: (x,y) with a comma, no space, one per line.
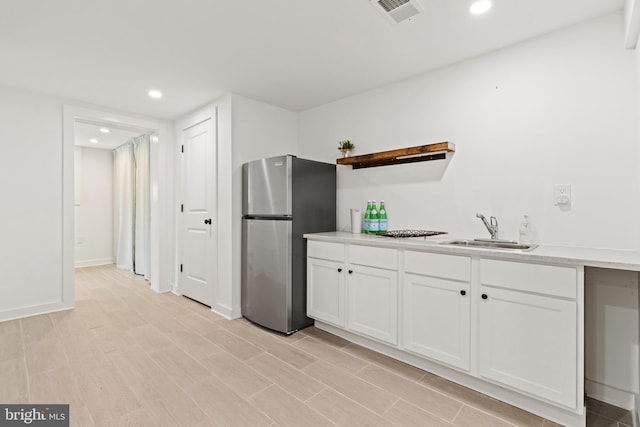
(562,194)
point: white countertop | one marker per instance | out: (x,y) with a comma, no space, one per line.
(603,258)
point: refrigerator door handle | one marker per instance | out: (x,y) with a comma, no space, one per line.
(268,217)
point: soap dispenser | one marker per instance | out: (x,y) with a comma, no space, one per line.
(526,231)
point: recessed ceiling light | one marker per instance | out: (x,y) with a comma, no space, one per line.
(93,141)
(155,94)
(104,130)
(481,6)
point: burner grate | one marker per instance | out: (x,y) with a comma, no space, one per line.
(411,233)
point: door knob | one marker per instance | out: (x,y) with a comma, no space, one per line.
(484,296)
(339,270)
(207,221)
(463,292)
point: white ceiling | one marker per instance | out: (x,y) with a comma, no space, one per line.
(296,54)
(108,141)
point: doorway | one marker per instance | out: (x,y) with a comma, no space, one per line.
(103,206)
(198,222)
(160,185)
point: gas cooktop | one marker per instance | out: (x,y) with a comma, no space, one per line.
(410,233)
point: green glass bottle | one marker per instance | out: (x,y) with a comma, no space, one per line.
(367,218)
(373,222)
(383,224)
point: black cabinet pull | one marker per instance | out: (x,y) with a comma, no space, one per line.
(350,271)
(207,221)
(339,270)
(463,292)
(484,296)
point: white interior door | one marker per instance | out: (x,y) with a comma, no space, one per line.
(198,226)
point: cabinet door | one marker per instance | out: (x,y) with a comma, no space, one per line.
(372,307)
(325,291)
(529,342)
(436,319)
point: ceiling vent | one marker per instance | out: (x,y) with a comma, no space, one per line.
(398,10)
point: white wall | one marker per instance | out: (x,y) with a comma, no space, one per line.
(225,303)
(259,130)
(559,109)
(94,212)
(31,214)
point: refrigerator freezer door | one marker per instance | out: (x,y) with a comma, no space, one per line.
(266,187)
(266,273)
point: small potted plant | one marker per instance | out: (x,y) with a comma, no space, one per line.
(346,147)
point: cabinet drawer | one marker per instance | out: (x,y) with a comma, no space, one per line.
(325,250)
(438,265)
(543,279)
(375,257)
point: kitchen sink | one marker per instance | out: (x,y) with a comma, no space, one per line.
(488,244)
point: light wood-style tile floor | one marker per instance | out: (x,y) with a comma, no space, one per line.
(127,356)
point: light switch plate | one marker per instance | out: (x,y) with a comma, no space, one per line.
(562,194)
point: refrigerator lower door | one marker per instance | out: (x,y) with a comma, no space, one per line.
(266,273)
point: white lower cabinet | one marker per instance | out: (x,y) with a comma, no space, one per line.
(529,341)
(372,308)
(436,319)
(372,292)
(437,306)
(360,295)
(325,291)
(325,282)
(523,319)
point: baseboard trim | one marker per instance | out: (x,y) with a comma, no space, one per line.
(226,312)
(219,309)
(611,395)
(93,262)
(35,310)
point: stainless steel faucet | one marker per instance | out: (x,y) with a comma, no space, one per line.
(492,226)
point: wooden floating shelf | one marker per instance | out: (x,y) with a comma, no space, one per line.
(421,153)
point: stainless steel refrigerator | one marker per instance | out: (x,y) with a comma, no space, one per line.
(283,198)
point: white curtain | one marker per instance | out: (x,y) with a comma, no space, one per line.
(131,205)
(142,157)
(123,208)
